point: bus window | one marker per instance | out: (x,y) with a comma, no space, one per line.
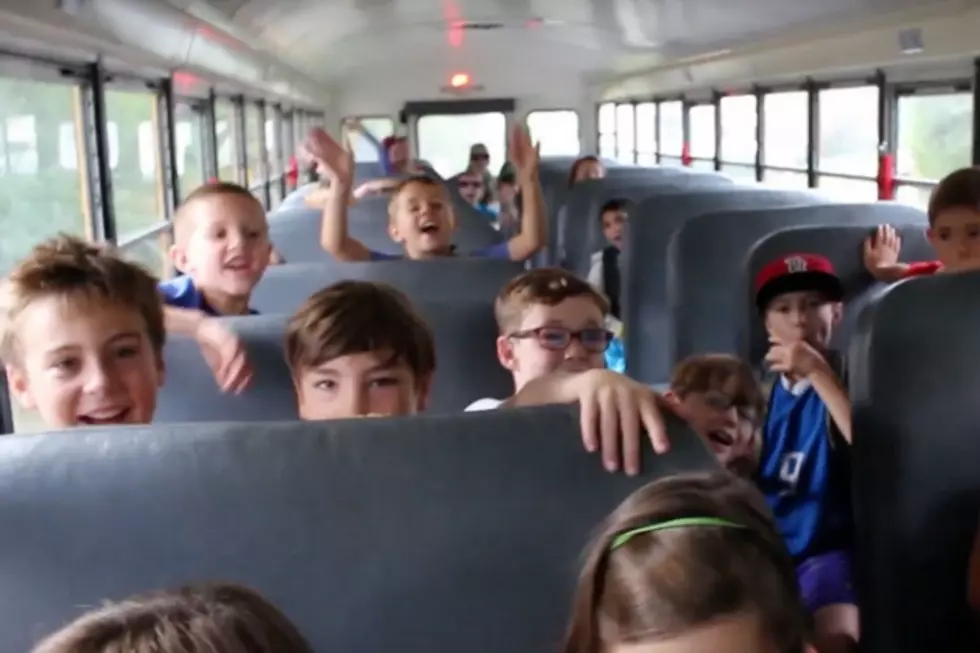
(784,179)
(738,141)
(846,189)
(189,142)
(848,121)
(625,142)
(40,177)
(254,150)
(227,137)
(701,118)
(672,131)
(444,140)
(607,130)
(556,131)
(785,127)
(275,165)
(380,128)
(646,133)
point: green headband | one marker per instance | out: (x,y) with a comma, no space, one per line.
(683,522)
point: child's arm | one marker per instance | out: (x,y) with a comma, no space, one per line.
(881,251)
(614,410)
(534,222)
(222,349)
(973,575)
(375,187)
(338,164)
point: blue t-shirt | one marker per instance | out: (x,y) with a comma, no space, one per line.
(497,250)
(804,472)
(182,293)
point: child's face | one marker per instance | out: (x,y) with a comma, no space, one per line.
(358,385)
(506,193)
(85,363)
(471,188)
(226,249)
(589,170)
(569,336)
(729,429)
(955,235)
(422,220)
(740,633)
(398,154)
(804,315)
(612,227)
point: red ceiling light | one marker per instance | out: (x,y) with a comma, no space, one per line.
(459,80)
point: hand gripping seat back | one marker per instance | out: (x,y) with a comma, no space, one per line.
(843,246)
(914,389)
(706,257)
(448,533)
(644,261)
(285,287)
(466,368)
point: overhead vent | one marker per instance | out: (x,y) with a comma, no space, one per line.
(479,25)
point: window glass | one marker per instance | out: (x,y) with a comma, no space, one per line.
(556,131)
(847,190)
(136,187)
(785,129)
(625,144)
(378,127)
(784,179)
(741,173)
(607,130)
(934,134)
(646,133)
(272,142)
(290,142)
(702,164)
(738,125)
(189,142)
(849,130)
(152,253)
(444,140)
(701,118)
(224,127)
(40,183)
(671,128)
(913,195)
(254,150)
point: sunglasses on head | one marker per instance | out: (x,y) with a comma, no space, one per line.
(479,157)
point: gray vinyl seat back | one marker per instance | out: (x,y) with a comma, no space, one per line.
(285,287)
(843,247)
(367,170)
(295,199)
(439,533)
(467,368)
(914,386)
(706,259)
(645,271)
(582,224)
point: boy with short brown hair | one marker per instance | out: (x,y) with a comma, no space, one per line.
(221,246)
(954,232)
(420,209)
(359,348)
(81,335)
(721,399)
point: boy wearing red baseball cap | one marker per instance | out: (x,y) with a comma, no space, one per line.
(804,465)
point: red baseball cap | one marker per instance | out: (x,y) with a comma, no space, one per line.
(794,273)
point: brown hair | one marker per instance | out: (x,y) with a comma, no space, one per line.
(70,268)
(353,317)
(423,180)
(659,585)
(215,189)
(727,374)
(217,618)
(548,286)
(958,189)
(573,173)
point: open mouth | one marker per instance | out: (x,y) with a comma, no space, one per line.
(103,417)
(721,437)
(429,227)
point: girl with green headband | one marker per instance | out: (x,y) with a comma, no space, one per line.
(689,564)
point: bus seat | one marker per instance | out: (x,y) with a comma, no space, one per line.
(843,246)
(284,287)
(704,293)
(437,533)
(914,387)
(367,170)
(296,199)
(645,270)
(467,368)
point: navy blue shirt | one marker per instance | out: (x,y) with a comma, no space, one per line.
(181,292)
(804,472)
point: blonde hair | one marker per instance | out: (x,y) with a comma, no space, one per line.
(72,269)
(548,286)
(215,189)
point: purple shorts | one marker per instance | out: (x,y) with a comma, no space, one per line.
(825,580)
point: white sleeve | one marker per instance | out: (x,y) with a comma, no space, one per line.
(595,273)
(487,403)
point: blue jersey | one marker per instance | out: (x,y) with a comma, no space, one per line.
(182,293)
(804,472)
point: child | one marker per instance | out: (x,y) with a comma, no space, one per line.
(81,335)
(359,348)
(473,191)
(604,272)
(719,396)
(804,466)
(954,232)
(553,339)
(688,563)
(421,215)
(217,618)
(221,246)
(585,168)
